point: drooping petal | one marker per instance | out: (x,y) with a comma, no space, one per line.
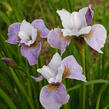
(75,69)
(53,99)
(13,33)
(39,23)
(65,17)
(97,39)
(38,79)
(56,40)
(89,16)
(31,53)
(55,62)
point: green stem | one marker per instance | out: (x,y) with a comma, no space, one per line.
(21,88)
(100,94)
(83,65)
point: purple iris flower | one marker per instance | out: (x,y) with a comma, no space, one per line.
(78,24)
(27,36)
(54,95)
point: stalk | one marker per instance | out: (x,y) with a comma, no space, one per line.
(22,89)
(83,86)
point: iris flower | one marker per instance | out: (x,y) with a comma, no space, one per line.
(54,95)
(78,25)
(27,36)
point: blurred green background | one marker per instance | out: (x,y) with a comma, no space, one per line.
(17,89)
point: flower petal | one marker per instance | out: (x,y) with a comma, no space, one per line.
(56,40)
(13,33)
(38,79)
(97,39)
(47,73)
(39,23)
(55,62)
(84,30)
(82,13)
(53,99)
(89,16)
(59,75)
(75,69)
(31,54)
(27,33)
(65,17)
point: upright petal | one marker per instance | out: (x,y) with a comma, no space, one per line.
(27,33)
(89,16)
(59,74)
(75,69)
(55,62)
(47,73)
(86,15)
(82,13)
(56,40)
(97,39)
(55,98)
(65,17)
(39,23)
(31,53)
(13,33)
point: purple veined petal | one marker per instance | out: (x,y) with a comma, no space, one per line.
(38,79)
(31,53)
(13,32)
(53,99)
(75,69)
(97,39)
(89,16)
(55,39)
(39,23)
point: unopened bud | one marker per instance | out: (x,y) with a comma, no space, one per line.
(9,62)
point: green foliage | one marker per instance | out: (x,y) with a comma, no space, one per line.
(18,90)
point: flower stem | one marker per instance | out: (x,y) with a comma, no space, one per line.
(83,65)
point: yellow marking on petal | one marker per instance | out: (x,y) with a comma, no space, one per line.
(66,73)
(65,38)
(53,86)
(87,35)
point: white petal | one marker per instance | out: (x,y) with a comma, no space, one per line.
(55,62)
(82,13)
(60,74)
(84,30)
(46,72)
(65,18)
(66,32)
(75,20)
(27,33)
(51,80)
